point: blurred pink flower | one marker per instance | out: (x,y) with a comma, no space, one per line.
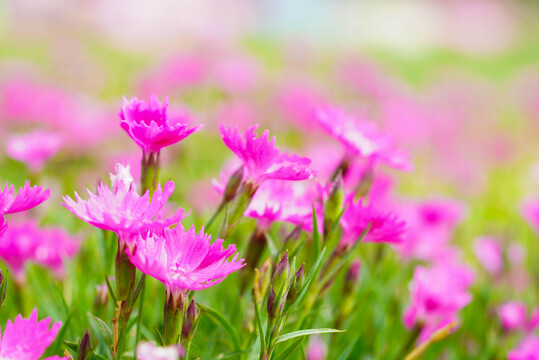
(124,211)
(27,198)
(283,201)
(299,102)
(530,211)
(317,349)
(261,158)
(362,138)
(385,227)
(487,250)
(437,294)
(235,74)
(148,351)
(513,315)
(528,349)
(431,225)
(26,242)
(27,339)
(122,178)
(148,125)
(34,148)
(183,260)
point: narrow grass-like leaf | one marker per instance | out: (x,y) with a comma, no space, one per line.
(159,336)
(308,281)
(271,246)
(221,320)
(316,235)
(334,270)
(57,344)
(299,333)
(139,287)
(107,332)
(111,291)
(289,350)
(71,345)
(258,320)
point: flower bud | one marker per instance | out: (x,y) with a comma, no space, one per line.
(281,273)
(85,347)
(232,185)
(271,303)
(294,234)
(298,281)
(190,318)
(262,279)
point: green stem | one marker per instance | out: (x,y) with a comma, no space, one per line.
(173,318)
(149,176)
(214,216)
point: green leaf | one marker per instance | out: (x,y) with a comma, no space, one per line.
(289,350)
(139,287)
(107,332)
(259,326)
(221,320)
(271,245)
(308,332)
(111,292)
(316,235)
(308,281)
(159,336)
(333,271)
(72,345)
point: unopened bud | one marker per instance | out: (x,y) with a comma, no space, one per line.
(297,284)
(281,273)
(262,279)
(271,303)
(190,318)
(294,234)
(85,348)
(232,185)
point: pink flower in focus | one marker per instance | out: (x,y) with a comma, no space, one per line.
(148,351)
(488,252)
(528,349)
(27,339)
(261,158)
(183,260)
(148,125)
(34,148)
(437,294)
(123,210)
(24,242)
(362,138)
(385,227)
(27,198)
(512,315)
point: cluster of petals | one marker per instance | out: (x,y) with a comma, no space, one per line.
(261,159)
(528,349)
(362,138)
(25,242)
(150,127)
(283,201)
(431,224)
(123,210)
(148,351)
(438,293)
(514,316)
(34,148)
(183,260)
(27,339)
(384,226)
(489,253)
(27,198)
